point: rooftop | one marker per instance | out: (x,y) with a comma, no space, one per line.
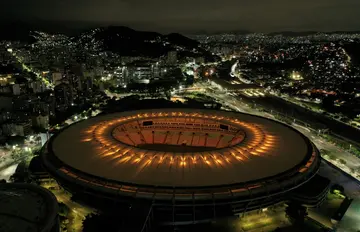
(26,207)
(167,147)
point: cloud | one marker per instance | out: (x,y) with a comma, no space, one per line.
(258,15)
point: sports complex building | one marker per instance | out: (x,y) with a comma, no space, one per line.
(27,207)
(184,166)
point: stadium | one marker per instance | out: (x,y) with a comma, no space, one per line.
(183,165)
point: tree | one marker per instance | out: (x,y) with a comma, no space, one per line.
(342,161)
(97,222)
(332,157)
(296,213)
(337,187)
(63,210)
(16,140)
(324,152)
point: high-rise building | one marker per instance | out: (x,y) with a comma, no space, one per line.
(41,121)
(156,69)
(141,73)
(89,83)
(21,103)
(19,128)
(172,57)
(56,78)
(122,75)
(37,86)
(63,95)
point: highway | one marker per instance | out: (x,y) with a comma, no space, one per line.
(352,163)
(78,212)
(351,220)
(8,162)
(311,117)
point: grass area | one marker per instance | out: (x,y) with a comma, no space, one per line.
(342,144)
(257,224)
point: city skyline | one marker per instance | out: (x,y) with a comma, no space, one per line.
(146,116)
(189,16)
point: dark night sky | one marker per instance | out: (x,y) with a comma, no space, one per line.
(193,15)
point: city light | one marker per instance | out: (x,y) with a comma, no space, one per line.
(296,76)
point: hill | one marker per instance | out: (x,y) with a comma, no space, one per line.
(120,40)
(128,42)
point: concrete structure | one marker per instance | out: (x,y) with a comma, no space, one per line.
(6,103)
(27,207)
(7,79)
(44,138)
(172,57)
(41,121)
(189,165)
(63,95)
(140,74)
(122,73)
(16,89)
(20,129)
(37,86)
(56,78)
(199,60)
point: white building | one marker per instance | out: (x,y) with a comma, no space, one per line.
(122,73)
(37,86)
(44,138)
(56,78)
(141,74)
(16,89)
(41,121)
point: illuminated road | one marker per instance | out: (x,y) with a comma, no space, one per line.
(351,220)
(78,212)
(7,172)
(352,163)
(28,69)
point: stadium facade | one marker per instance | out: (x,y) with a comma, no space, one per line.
(182,166)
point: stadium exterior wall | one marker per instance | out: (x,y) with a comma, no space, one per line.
(187,205)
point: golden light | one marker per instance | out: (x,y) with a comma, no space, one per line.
(124,159)
(258,141)
(137,160)
(161,160)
